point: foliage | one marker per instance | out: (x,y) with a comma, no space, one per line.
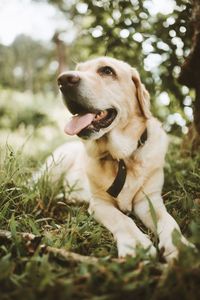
(28,65)
(21,113)
(18,110)
(156,44)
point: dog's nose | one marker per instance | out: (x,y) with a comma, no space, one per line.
(68,79)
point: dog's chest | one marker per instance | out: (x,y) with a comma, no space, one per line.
(134,181)
(103,174)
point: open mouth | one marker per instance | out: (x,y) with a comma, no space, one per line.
(85,124)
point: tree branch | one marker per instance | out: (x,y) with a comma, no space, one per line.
(32,243)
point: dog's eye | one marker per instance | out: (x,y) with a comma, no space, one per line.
(106,71)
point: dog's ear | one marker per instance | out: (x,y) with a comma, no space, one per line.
(142,94)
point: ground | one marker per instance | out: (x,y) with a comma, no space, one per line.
(30,267)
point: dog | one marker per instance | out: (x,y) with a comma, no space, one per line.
(118,163)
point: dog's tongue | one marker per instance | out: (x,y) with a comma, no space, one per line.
(77,123)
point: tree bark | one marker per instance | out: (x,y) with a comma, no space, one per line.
(190,73)
(61,52)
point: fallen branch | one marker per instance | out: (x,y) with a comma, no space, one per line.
(5,234)
(33,241)
(71,256)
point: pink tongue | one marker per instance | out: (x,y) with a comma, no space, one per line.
(77,123)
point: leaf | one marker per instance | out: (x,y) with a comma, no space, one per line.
(152,212)
(13,227)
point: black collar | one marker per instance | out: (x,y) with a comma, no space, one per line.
(120,178)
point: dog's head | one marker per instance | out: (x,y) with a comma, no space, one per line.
(102,93)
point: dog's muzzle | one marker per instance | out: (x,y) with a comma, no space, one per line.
(87,119)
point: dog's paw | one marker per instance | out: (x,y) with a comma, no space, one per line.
(171,252)
(126,250)
(146,243)
(128,246)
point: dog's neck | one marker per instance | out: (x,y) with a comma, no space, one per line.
(120,143)
(123,142)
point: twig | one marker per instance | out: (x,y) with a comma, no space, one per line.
(71,256)
(8,235)
(58,252)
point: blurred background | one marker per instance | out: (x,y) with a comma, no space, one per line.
(41,38)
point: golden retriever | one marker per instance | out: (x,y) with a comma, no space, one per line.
(116,171)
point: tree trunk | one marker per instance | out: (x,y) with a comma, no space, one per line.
(61,52)
(190,73)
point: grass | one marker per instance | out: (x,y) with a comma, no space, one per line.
(28,271)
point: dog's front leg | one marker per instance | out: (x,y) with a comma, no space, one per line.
(163,224)
(124,230)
